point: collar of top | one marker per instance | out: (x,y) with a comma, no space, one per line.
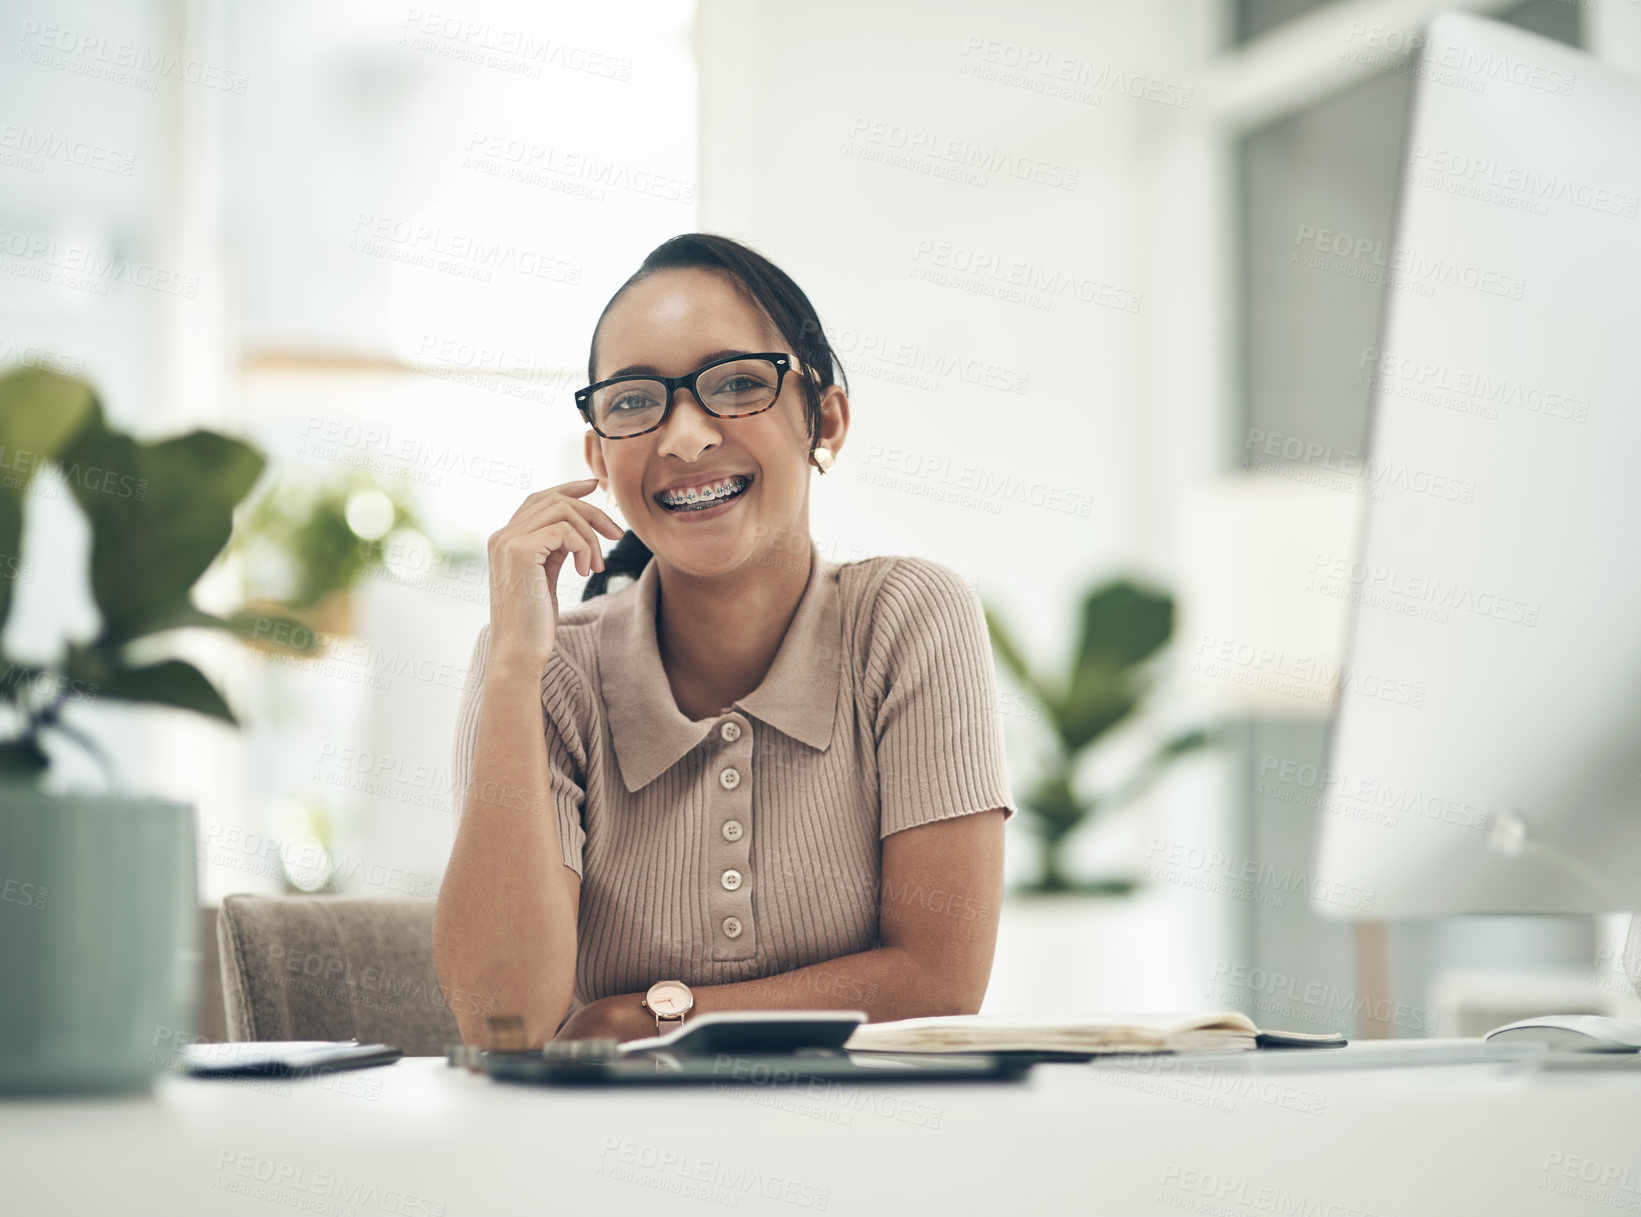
(798,696)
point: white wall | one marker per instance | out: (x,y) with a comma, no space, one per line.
(796,102)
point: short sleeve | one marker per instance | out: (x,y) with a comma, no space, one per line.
(938,726)
(566,760)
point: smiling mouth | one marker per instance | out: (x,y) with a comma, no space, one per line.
(693,500)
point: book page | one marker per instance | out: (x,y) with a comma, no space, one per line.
(1056,1032)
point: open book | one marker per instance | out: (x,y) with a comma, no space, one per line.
(1225,1031)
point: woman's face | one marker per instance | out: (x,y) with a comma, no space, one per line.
(671,323)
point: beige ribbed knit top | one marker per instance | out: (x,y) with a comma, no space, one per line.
(748,844)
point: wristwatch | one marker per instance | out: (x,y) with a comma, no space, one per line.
(669,1001)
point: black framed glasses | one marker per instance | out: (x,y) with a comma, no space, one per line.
(736,386)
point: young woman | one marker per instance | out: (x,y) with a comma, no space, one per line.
(752,778)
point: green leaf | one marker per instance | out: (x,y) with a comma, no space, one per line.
(276,629)
(160,514)
(39,411)
(22,760)
(11,540)
(171,682)
(1185,742)
(1003,644)
(1124,625)
(1054,806)
(1100,697)
(15,677)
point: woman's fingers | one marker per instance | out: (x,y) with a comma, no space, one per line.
(577,488)
(605,525)
(566,535)
(570,493)
(532,548)
(559,511)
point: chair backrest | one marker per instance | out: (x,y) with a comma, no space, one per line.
(333,968)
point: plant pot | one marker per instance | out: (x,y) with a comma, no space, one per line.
(98,940)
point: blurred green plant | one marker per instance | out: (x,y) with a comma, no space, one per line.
(307,833)
(1123,628)
(306,541)
(160,514)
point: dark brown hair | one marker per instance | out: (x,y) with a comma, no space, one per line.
(781,300)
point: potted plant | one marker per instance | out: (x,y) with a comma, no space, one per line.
(1063,943)
(98,892)
(1123,628)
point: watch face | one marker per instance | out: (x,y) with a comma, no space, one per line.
(670,997)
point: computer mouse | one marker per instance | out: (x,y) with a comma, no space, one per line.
(1572,1033)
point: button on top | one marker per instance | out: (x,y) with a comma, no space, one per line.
(731,880)
(732,830)
(730,731)
(732,927)
(729,779)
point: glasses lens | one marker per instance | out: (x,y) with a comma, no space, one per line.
(742,387)
(629,407)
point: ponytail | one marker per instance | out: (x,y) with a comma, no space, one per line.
(629,557)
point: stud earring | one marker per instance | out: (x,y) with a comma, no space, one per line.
(823,458)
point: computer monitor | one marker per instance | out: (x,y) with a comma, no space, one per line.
(1485,754)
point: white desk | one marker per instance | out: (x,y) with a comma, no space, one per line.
(423,1140)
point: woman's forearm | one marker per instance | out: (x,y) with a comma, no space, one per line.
(887,983)
(504,930)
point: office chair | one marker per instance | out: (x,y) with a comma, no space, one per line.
(333,968)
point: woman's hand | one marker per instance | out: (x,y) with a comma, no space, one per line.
(619,1017)
(526,555)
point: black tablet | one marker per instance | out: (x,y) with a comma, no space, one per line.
(753,1069)
(283,1058)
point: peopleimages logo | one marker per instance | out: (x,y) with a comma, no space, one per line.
(1382,586)
(539,164)
(1316,455)
(1045,70)
(1032,279)
(1174,861)
(48,145)
(413,458)
(1472,66)
(1338,790)
(682,1169)
(297,1186)
(1214,1193)
(1484,392)
(1406,262)
(518,51)
(926,365)
(959,152)
(1240,662)
(435,248)
(84,268)
(1432,165)
(127,63)
(1271,989)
